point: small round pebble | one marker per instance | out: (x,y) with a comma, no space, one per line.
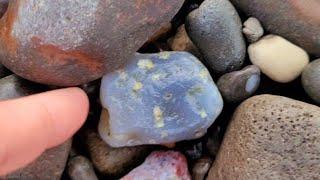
(252,29)
(80,168)
(239,85)
(158,99)
(311,80)
(278,58)
(201,168)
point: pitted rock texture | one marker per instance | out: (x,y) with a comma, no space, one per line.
(270,137)
(216,29)
(71,42)
(158,99)
(296,20)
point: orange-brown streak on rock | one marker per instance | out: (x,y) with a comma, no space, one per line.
(6,26)
(54,55)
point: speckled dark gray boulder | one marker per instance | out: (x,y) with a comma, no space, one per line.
(216,29)
(311,80)
(239,85)
(270,137)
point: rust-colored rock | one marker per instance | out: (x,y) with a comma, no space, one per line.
(72,42)
(296,20)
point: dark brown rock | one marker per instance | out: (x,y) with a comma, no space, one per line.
(3,6)
(112,161)
(49,166)
(270,137)
(80,168)
(296,20)
(73,42)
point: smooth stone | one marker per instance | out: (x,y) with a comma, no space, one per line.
(239,85)
(80,168)
(270,137)
(200,168)
(161,165)
(311,80)
(181,42)
(252,29)
(112,161)
(278,58)
(49,166)
(216,29)
(69,43)
(158,99)
(296,20)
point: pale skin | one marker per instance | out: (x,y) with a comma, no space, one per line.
(30,125)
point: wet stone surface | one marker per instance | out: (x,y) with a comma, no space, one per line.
(158,99)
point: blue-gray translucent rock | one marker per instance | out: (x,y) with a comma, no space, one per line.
(216,29)
(158,99)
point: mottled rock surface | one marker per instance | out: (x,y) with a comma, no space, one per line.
(161,166)
(216,29)
(239,85)
(252,29)
(158,99)
(311,80)
(296,20)
(112,161)
(73,42)
(270,137)
(278,58)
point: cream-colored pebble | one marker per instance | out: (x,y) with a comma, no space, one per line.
(278,58)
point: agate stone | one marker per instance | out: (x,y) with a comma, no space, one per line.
(158,99)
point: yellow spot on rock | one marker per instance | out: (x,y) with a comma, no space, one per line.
(145,64)
(137,86)
(204,74)
(158,117)
(164,55)
(203,113)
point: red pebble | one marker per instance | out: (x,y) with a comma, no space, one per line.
(161,165)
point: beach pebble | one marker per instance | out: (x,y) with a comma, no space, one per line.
(161,165)
(67,43)
(278,58)
(252,29)
(80,168)
(296,20)
(270,137)
(158,99)
(182,42)
(239,85)
(201,168)
(112,161)
(311,80)
(216,29)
